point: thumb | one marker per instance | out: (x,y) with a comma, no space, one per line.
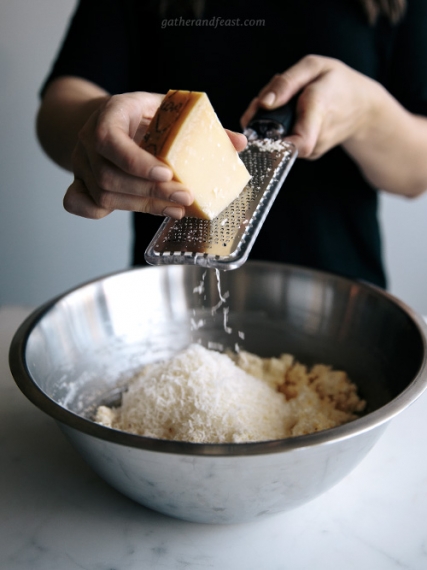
(238,139)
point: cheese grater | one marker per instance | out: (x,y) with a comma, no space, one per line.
(226,241)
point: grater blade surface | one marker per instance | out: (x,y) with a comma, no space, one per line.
(226,241)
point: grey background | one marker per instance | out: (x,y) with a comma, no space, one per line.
(45,251)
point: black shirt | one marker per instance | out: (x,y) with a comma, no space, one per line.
(325,216)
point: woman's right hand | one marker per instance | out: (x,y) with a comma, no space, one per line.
(112,172)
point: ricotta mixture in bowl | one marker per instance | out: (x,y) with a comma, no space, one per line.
(203,396)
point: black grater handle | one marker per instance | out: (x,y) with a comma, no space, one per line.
(276,122)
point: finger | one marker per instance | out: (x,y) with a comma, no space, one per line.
(238,139)
(144,204)
(78,201)
(101,175)
(307,128)
(114,141)
(117,147)
(107,200)
(110,178)
(284,86)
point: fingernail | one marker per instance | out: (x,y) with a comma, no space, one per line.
(183,198)
(268,99)
(176,213)
(160,174)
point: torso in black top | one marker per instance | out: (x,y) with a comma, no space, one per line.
(326,213)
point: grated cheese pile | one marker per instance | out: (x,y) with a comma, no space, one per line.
(201,395)
(270,145)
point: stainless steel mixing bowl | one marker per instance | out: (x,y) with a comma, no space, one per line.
(76,352)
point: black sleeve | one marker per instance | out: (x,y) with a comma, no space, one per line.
(408,77)
(96,46)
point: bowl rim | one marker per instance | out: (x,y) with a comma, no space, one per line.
(377,418)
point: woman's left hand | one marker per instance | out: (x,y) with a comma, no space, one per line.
(335,103)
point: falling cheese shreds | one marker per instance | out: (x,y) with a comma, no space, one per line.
(203,396)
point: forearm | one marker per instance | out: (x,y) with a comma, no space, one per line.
(66,106)
(391,147)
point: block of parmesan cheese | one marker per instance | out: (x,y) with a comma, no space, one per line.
(187,135)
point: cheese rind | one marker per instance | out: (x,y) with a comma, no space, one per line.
(187,135)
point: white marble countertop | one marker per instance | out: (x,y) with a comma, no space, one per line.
(56,514)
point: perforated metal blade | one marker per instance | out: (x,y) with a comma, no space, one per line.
(226,241)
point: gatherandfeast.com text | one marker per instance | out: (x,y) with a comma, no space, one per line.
(213,22)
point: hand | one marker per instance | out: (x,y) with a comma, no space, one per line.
(335,103)
(112,172)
